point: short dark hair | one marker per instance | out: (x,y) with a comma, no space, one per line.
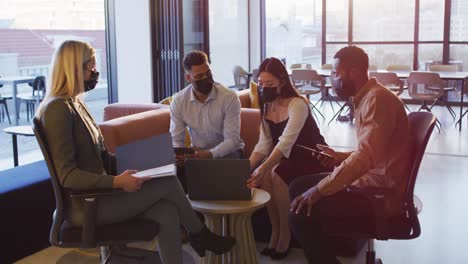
(195,57)
(353,56)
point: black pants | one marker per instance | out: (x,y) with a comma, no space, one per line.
(336,214)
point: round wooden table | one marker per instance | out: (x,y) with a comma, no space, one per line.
(233,218)
(15,131)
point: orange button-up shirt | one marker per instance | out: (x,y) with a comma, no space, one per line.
(382,155)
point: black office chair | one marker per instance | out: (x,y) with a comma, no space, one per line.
(63,234)
(38,93)
(3,102)
(406,226)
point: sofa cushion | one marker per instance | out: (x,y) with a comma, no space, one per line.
(244,98)
(20,177)
(253,93)
(250,129)
(27,202)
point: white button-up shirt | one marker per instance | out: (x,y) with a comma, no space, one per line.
(213,125)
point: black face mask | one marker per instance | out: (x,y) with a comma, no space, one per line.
(91,83)
(267,94)
(205,86)
(343,88)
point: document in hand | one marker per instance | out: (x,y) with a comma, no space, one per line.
(163,171)
(149,153)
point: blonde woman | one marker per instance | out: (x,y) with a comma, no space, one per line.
(80,158)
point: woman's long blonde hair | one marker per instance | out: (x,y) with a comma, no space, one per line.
(66,78)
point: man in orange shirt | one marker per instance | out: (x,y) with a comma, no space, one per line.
(380,160)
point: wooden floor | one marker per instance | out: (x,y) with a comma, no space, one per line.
(442,185)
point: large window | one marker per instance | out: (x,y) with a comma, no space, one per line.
(459,33)
(194,25)
(386,29)
(386,54)
(383,20)
(30,32)
(229,38)
(294,31)
(431,20)
(337,20)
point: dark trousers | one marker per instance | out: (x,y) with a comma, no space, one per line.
(341,213)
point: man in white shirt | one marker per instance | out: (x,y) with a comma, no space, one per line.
(209,110)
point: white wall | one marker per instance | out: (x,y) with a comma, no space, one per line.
(133,43)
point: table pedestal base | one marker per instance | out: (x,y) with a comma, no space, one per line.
(238,226)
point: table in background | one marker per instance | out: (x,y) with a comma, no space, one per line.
(14,81)
(15,131)
(457,76)
(233,218)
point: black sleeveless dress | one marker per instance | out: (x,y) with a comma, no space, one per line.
(300,161)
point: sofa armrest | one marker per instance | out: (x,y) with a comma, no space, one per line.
(126,129)
(117,110)
(250,129)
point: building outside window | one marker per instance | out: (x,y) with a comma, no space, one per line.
(30,32)
(229,38)
(294,31)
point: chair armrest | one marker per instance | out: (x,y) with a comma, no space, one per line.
(90,200)
(371,192)
(90,194)
(376,197)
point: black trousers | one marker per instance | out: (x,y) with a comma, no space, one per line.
(340,213)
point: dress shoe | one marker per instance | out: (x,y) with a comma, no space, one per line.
(207,240)
(280,255)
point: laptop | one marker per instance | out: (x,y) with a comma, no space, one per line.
(145,154)
(218,179)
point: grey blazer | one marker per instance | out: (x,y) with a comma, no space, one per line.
(78,160)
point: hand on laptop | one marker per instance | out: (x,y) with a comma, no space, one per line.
(256,178)
(180,159)
(200,154)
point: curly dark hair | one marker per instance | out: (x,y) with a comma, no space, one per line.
(195,57)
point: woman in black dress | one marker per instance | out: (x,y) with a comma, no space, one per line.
(277,159)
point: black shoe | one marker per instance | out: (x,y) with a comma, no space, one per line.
(267,251)
(280,255)
(207,240)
